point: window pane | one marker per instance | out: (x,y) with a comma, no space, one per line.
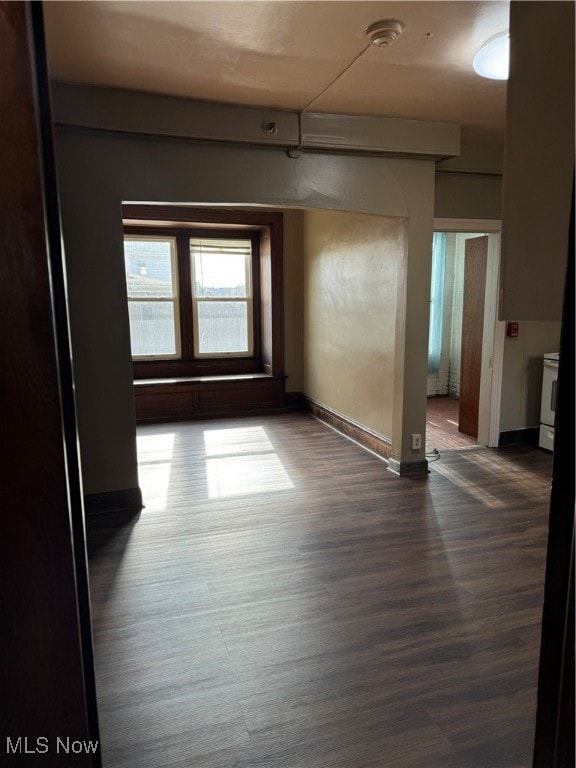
(222,327)
(220,267)
(152,328)
(148,268)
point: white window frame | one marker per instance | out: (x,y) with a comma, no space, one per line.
(174,300)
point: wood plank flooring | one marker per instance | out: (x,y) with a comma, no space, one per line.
(284,601)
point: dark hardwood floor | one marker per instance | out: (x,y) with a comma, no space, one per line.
(284,601)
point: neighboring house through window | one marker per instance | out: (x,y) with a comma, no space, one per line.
(152,285)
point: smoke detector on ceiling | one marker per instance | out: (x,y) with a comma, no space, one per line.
(384,33)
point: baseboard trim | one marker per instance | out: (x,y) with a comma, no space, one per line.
(357,432)
(526,436)
(404,468)
(295,401)
(128,500)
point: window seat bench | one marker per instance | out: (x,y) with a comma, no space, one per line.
(171,399)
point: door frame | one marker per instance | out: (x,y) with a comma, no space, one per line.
(489,418)
(43,563)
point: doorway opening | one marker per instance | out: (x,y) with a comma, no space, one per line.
(460,409)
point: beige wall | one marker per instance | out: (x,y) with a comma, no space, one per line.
(539,161)
(293,299)
(350,296)
(98,171)
(522,373)
(413,315)
(538,171)
(467,196)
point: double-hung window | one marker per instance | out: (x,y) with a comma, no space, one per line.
(222,292)
(204,291)
(152,286)
(205,309)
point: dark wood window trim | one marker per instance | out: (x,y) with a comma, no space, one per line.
(188,388)
(265,230)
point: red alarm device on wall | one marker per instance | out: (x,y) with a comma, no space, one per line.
(512,330)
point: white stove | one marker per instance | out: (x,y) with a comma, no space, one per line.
(548,404)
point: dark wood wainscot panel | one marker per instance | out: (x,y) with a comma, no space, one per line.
(180,399)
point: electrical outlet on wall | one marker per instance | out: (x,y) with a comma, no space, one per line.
(416,442)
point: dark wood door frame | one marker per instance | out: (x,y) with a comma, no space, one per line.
(46,664)
(554,742)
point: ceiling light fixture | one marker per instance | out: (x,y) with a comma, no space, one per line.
(384,33)
(493,59)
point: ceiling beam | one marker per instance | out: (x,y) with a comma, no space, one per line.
(109,109)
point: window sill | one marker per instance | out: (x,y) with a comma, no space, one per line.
(205,379)
(146,370)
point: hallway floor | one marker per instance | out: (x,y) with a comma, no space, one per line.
(442,425)
(284,601)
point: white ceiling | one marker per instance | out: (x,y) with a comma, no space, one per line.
(292,54)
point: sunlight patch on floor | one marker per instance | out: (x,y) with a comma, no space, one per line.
(155,454)
(509,472)
(246,464)
(223,442)
(242,475)
(473,490)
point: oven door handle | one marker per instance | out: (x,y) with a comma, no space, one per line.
(553,395)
